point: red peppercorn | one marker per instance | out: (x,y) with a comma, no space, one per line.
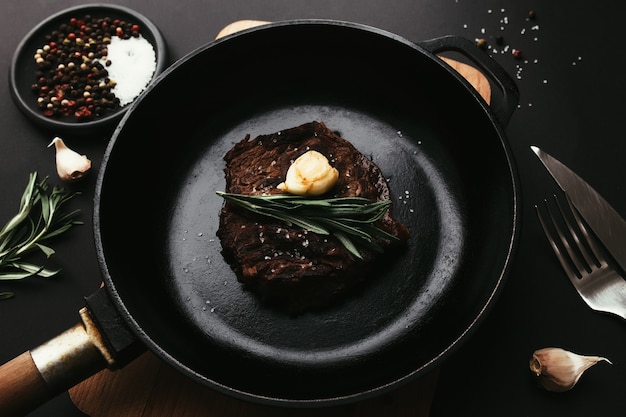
(517,54)
(83,113)
(66,68)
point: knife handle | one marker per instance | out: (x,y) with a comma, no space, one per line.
(503,105)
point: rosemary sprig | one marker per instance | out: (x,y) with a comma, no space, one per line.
(39,219)
(350,219)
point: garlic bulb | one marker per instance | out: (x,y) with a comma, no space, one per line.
(310,174)
(71,165)
(559,370)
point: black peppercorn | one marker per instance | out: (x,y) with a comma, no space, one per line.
(69,76)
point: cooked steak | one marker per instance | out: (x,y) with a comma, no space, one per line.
(289,265)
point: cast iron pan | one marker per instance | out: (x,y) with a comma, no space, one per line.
(451,176)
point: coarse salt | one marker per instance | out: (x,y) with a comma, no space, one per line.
(133,63)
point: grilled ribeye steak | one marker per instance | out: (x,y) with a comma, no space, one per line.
(289,265)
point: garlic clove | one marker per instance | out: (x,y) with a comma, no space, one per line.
(559,370)
(71,165)
(310,174)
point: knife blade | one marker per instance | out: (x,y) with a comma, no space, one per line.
(603,219)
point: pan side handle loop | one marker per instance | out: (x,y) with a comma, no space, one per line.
(507,103)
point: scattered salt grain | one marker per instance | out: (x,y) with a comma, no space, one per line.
(133,62)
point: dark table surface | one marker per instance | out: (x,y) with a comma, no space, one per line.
(571,80)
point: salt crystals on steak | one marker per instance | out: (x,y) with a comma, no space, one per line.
(290,266)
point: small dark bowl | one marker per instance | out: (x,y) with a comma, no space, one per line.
(23,66)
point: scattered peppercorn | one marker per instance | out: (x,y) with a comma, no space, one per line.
(531,15)
(71,80)
(517,54)
(499,40)
(481,43)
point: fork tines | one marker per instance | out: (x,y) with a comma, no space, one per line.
(575,249)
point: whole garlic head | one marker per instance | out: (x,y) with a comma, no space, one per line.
(559,370)
(71,165)
(310,174)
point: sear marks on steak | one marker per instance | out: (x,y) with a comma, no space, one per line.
(289,266)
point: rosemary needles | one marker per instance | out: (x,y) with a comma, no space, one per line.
(349,219)
(39,219)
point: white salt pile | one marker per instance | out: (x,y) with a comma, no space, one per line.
(132,65)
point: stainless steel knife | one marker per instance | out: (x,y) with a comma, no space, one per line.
(606,223)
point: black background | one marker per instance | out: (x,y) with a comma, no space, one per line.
(571,80)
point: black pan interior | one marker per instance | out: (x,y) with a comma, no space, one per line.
(448,168)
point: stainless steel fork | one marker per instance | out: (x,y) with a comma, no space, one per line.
(584,262)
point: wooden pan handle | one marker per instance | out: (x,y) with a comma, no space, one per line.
(41,374)
(22,388)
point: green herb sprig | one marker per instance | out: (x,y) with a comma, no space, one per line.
(39,219)
(350,219)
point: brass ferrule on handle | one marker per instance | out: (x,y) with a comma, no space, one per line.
(72,356)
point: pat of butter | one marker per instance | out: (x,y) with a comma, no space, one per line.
(310,174)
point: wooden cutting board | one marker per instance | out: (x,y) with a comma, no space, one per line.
(148,387)
(471,74)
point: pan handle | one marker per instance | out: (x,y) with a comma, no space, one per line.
(38,375)
(101,340)
(507,103)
